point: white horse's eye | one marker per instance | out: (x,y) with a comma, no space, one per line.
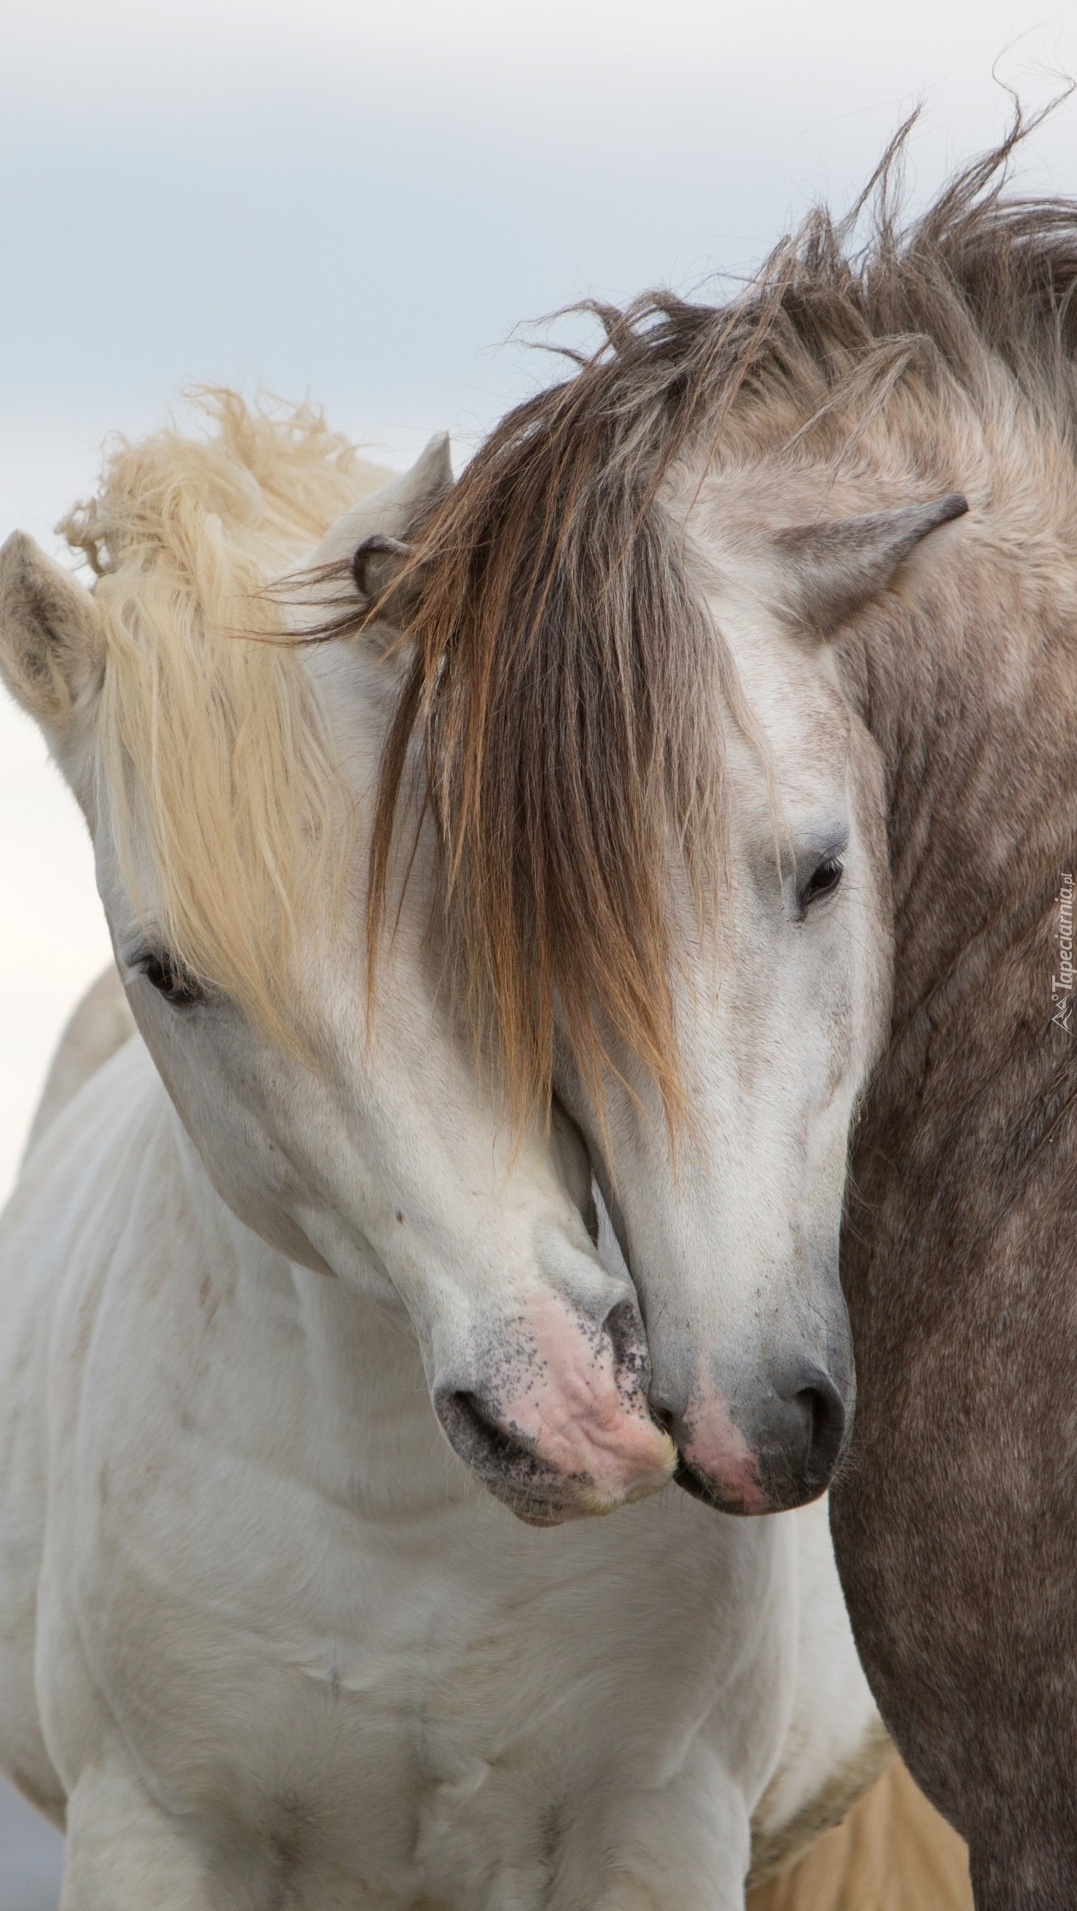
(170,978)
(822,881)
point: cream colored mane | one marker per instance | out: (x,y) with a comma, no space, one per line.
(213,760)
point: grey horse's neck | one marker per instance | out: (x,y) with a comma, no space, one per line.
(960,1253)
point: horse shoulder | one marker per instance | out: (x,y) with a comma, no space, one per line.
(130,1405)
(42,1231)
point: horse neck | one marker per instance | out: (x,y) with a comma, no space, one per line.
(373,1428)
(362,1425)
(972,699)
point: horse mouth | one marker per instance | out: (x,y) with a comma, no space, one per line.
(546,1492)
(707,1494)
(506,1462)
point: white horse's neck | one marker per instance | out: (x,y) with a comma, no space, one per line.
(348,1379)
(376,1441)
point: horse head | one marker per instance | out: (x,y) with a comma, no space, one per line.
(655,797)
(781,1004)
(225,772)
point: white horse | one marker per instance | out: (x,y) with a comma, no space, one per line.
(261,1641)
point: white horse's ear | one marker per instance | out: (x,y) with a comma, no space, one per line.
(381,555)
(831,570)
(431,474)
(369,542)
(51,642)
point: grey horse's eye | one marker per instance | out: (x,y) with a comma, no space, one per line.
(822,881)
(171,980)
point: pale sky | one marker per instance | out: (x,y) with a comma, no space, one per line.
(361,202)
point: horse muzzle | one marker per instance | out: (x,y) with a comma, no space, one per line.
(552,1414)
(778,1453)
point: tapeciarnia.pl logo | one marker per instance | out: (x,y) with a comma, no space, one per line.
(1062,983)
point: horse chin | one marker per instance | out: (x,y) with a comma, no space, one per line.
(578,1499)
(746,1501)
(540,1496)
(543,1517)
(772,1491)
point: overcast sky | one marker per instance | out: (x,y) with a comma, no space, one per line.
(362,202)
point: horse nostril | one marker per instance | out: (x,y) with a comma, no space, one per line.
(476,1435)
(823,1411)
(631,1361)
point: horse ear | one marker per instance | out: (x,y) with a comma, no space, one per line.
(51,642)
(429,477)
(380,557)
(831,570)
(368,541)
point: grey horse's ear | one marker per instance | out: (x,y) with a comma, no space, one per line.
(380,558)
(832,569)
(51,641)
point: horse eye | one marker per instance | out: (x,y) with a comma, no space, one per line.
(170,979)
(823,881)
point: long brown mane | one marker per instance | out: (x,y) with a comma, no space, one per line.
(563,684)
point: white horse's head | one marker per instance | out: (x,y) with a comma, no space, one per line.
(662,823)
(227,784)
